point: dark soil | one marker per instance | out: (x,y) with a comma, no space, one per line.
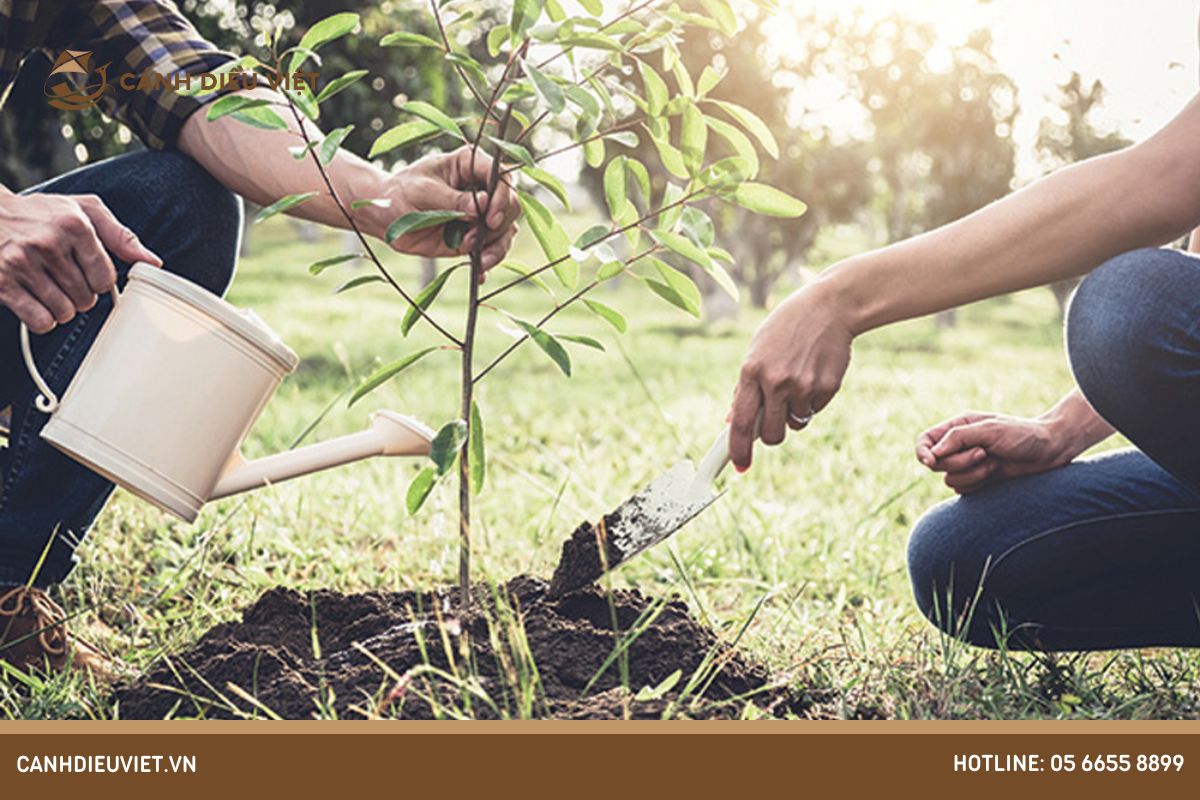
(581,562)
(269,655)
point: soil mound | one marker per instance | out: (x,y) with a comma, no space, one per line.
(408,655)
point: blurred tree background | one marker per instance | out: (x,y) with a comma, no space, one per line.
(921,138)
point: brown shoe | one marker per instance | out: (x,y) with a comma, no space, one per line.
(33,634)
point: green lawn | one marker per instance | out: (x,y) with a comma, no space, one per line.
(817,527)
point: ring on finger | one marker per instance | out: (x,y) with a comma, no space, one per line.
(800,420)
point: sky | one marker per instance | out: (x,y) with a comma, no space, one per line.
(1145,51)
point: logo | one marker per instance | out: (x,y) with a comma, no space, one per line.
(67,91)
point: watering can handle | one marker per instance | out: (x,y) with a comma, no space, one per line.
(47,400)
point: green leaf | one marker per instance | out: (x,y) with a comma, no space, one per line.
(469,64)
(614,185)
(609,269)
(317,267)
(549,345)
(593,41)
(283,204)
(425,298)
(753,125)
(300,151)
(675,287)
(641,175)
(325,31)
(377,202)
(475,453)
(264,118)
(233,102)
(338,84)
(444,450)
(514,151)
(428,113)
(301,95)
(593,152)
(723,14)
(625,138)
(649,693)
(401,135)
(419,490)
(496,37)
(551,183)
(725,175)
(686,88)
(354,283)
(406,39)
(608,314)
(550,235)
(385,373)
(671,158)
(693,138)
(549,91)
(737,140)
(418,221)
(586,341)
(593,7)
(514,266)
(763,199)
(656,89)
(525,15)
(698,226)
(683,246)
(592,234)
(454,232)
(332,141)
(709,79)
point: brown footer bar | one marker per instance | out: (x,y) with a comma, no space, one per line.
(611,760)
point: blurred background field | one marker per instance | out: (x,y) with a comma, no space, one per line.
(889,125)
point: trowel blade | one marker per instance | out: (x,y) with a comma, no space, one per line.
(664,506)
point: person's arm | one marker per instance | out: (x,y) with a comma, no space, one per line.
(1194,242)
(1059,227)
(258,165)
(976,447)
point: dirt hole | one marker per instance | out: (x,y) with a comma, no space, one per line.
(407,655)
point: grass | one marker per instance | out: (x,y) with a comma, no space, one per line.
(802,560)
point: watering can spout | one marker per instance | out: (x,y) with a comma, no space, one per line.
(390,434)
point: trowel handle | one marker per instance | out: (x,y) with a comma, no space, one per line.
(716,459)
(718,455)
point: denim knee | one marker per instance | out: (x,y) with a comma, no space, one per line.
(201,223)
(947,574)
(1133,337)
(1125,327)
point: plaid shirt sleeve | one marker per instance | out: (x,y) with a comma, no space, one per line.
(139,35)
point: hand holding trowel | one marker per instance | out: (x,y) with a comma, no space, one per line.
(644,520)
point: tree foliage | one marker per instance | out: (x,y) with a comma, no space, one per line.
(550,81)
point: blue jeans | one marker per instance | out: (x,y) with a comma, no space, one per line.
(181,213)
(1104,552)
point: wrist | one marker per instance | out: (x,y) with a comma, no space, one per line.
(842,287)
(357,180)
(1074,426)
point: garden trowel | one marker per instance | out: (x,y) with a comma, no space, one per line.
(667,504)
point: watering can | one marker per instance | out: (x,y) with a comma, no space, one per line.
(170,388)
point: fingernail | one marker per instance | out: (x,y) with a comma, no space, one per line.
(741,470)
(495,220)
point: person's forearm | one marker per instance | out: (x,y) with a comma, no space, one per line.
(1194,242)
(1060,227)
(258,165)
(1076,425)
